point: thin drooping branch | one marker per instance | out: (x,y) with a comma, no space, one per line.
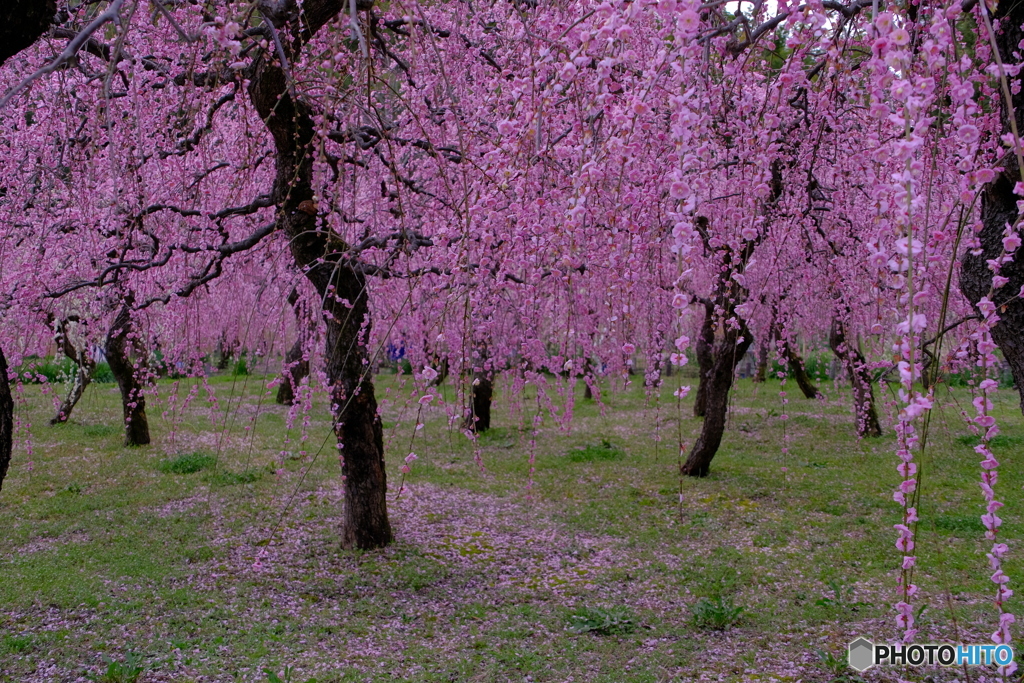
(210,271)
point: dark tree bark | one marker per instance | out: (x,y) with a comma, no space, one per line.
(225,352)
(6,419)
(589,381)
(725,356)
(295,367)
(133,401)
(704,347)
(483,390)
(796,368)
(441,366)
(999,208)
(720,352)
(22,22)
(295,370)
(860,380)
(763,349)
(85,366)
(321,255)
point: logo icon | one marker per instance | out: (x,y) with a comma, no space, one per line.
(860,656)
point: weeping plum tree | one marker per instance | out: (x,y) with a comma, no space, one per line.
(724,348)
(322,256)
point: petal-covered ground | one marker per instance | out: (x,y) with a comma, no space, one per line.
(601,567)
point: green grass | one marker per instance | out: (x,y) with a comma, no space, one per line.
(596,452)
(213,554)
(188,463)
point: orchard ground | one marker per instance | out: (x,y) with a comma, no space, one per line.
(117,561)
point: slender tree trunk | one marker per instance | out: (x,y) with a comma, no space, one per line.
(442,367)
(704,347)
(295,368)
(483,390)
(6,419)
(588,380)
(82,379)
(763,349)
(999,209)
(85,366)
(340,281)
(225,352)
(725,355)
(797,371)
(860,380)
(133,401)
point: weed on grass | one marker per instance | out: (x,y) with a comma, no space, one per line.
(127,671)
(596,452)
(837,668)
(225,478)
(718,614)
(604,621)
(188,463)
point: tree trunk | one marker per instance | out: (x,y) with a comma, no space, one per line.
(763,349)
(339,280)
(6,419)
(357,423)
(82,378)
(797,371)
(441,366)
(295,368)
(998,209)
(724,358)
(21,24)
(860,380)
(588,380)
(704,347)
(85,366)
(225,353)
(483,390)
(133,401)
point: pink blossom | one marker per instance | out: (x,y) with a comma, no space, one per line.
(900,37)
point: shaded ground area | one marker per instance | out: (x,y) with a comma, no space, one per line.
(213,556)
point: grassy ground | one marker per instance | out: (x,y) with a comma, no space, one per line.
(213,555)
